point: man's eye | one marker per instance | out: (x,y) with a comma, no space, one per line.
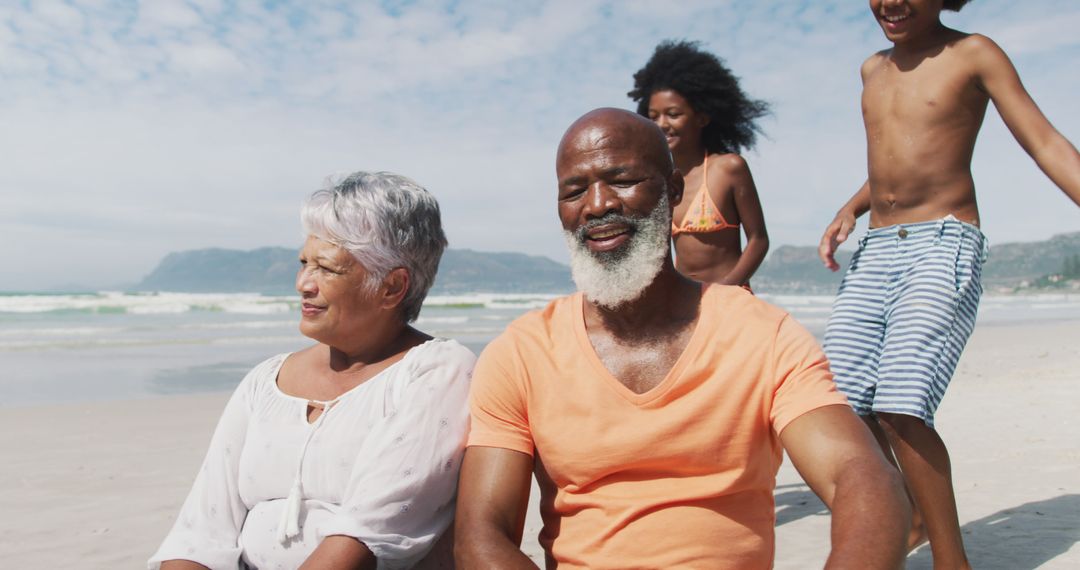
(571,193)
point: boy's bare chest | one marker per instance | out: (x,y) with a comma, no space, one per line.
(929,94)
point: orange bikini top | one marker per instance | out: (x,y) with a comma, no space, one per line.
(703,215)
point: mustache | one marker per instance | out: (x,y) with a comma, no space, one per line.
(609,218)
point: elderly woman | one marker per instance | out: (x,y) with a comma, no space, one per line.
(344,454)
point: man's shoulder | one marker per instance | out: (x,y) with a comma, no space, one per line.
(733,306)
(538,326)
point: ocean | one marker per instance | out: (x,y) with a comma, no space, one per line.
(72,347)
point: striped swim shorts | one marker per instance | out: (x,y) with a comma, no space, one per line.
(904,311)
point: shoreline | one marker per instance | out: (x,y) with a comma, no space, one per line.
(98,484)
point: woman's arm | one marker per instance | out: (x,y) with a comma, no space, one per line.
(340,552)
(207,530)
(751,217)
(182,565)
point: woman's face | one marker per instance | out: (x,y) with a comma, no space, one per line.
(674,115)
(335,302)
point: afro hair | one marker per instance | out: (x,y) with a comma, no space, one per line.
(710,88)
(954,5)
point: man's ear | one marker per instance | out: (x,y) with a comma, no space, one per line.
(675,185)
(394,287)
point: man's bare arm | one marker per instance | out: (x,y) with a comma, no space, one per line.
(839,459)
(842,225)
(1054,154)
(493,495)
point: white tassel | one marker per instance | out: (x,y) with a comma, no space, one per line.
(290,516)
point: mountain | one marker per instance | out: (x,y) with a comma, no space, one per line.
(272,270)
(264,270)
(1013,264)
(1024,265)
(787,269)
(797,269)
(465,271)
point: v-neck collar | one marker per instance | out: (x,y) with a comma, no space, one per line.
(673,375)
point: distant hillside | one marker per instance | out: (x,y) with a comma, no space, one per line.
(1011,264)
(265,270)
(465,270)
(787,269)
(797,269)
(272,270)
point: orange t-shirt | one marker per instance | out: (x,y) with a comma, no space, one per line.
(678,477)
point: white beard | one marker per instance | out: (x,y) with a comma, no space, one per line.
(613,278)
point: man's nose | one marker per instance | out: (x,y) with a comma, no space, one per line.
(601,200)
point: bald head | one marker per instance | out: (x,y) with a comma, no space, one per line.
(615,128)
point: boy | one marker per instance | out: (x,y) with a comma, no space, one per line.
(908,301)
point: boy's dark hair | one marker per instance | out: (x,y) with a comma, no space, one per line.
(710,88)
(954,5)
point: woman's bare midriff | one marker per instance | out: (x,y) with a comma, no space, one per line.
(707,257)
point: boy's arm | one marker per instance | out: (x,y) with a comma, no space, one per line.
(837,231)
(1054,154)
(842,224)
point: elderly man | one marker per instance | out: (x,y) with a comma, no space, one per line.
(653,408)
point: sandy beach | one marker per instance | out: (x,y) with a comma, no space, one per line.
(97,485)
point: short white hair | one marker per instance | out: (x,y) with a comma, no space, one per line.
(385,221)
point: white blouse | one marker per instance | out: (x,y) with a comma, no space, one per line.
(380,465)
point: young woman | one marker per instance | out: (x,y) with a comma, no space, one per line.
(708,121)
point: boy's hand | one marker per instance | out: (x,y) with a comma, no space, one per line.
(835,234)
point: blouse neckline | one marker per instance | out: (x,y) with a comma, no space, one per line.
(327,403)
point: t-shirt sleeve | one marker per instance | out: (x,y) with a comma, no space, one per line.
(803,381)
(207,530)
(400,496)
(498,399)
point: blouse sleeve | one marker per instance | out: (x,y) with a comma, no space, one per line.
(208,528)
(400,496)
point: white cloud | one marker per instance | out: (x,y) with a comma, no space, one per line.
(132,130)
(156,16)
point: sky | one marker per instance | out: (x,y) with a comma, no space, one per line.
(131,130)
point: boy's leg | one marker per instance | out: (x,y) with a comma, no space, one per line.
(854,337)
(933,314)
(856,327)
(927,471)
(917,535)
